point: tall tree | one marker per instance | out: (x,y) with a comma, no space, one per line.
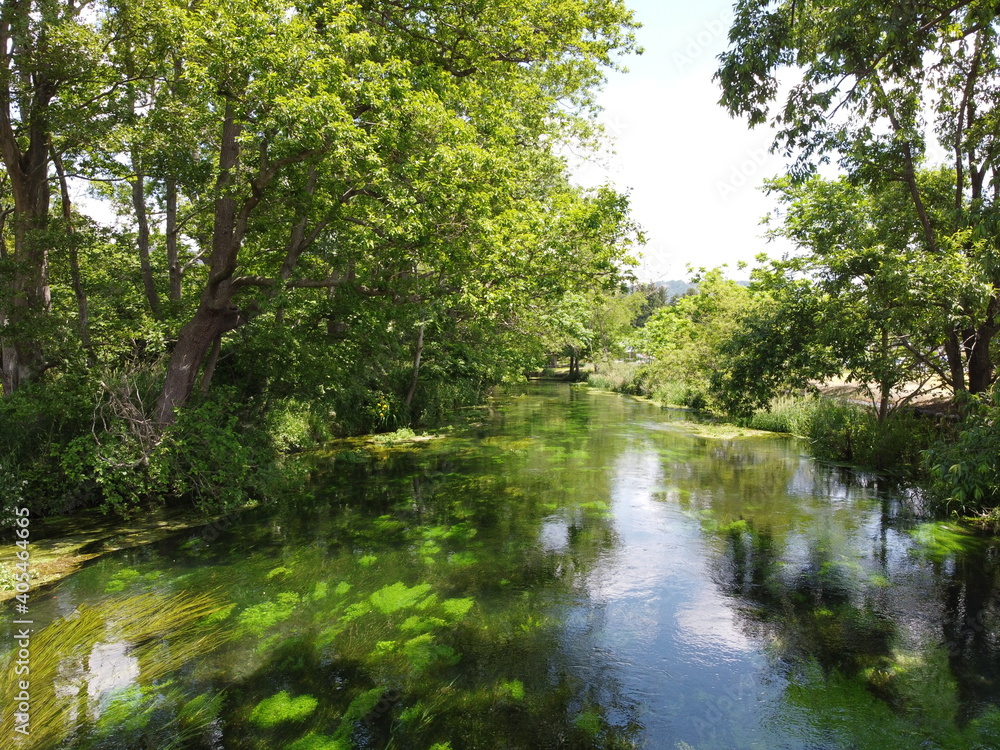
(41,55)
(865,75)
(376,139)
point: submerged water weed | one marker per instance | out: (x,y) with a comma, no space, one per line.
(281,707)
(398,596)
(938,541)
(150,634)
(513,690)
(589,722)
(313,741)
(259,618)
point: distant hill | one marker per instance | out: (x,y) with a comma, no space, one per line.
(677,287)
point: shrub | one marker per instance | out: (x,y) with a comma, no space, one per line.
(965,471)
(842,431)
(621,377)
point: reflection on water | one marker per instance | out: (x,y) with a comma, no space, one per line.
(582,572)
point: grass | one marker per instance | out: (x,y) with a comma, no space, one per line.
(167,632)
(621,377)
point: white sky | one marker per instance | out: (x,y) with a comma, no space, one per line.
(692,171)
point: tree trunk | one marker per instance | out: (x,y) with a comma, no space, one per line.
(216,313)
(82,315)
(953,350)
(213,360)
(21,350)
(418,353)
(172,230)
(885,384)
(215,316)
(142,241)
(979,363)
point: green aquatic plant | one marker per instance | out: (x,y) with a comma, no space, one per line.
(456,609)
(320,591)
(313,741)
(160,633)
(588,722)
(513,689)
(122,579)
(281,708)
(132,717)
(342,588)
(402,435)
(261,617)
(937,541)
(389,599)
(422,651)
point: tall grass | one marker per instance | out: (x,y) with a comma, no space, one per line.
(791,414)
(621,377)
(847,432)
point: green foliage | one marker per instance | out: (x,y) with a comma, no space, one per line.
(964,472)
(686,339)
(850,433)
(906,242)
(406,224)
(621,377)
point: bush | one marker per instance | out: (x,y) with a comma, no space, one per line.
(621,377)
(965,471)
(679,393)
(841,431)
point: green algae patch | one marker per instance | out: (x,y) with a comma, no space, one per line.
(282,708)
(261,617)
(398,596)
(61,545)
(722,431)
(313,741)
(938,541)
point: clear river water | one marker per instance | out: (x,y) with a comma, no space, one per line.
(581,570)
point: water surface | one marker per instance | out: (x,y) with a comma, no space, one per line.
(582,571)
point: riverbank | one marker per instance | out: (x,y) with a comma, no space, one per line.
(61,544)
(837,425)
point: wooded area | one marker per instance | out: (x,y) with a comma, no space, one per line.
(305,219)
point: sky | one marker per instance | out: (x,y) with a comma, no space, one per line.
(692,171)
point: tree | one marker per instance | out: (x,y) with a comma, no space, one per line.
(53,78)
(866,75)
(860,301)
(377,140)
(686,339)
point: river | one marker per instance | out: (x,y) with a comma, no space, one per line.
(581,570)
